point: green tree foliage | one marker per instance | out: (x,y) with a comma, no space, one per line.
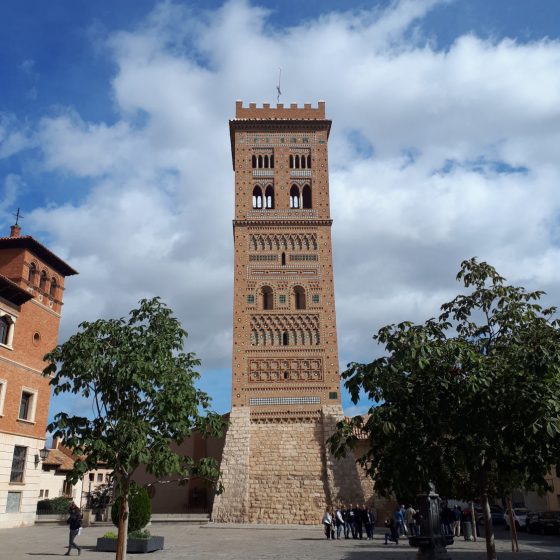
(470,400)
(144,397)
(140,509)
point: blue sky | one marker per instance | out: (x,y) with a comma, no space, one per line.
(114,142)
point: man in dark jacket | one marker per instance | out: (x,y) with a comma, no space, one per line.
(352,520)
(75,524)
(359,522)
(368,522)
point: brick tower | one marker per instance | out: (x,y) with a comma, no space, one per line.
(285,381)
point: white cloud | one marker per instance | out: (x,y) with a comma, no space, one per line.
(463,162)
(14,135)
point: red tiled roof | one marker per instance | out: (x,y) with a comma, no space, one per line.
(27,242)
(359,433)
(60,460)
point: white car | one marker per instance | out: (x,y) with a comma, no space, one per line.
(519,517)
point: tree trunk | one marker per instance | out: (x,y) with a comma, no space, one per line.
(512,527)
(488,529)
(123,524)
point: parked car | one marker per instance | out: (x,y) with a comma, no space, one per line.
(519,517)
(496,512)
(545,522)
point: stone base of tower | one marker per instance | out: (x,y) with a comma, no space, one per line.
(279,470)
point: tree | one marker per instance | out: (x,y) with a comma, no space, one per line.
(469,401)
(144,399)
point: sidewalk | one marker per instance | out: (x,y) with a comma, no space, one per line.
(241,542)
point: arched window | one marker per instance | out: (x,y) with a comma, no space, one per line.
(53,287)
(299,297)
(283,259)
(266,161)
(4,329)
(260,162)
(285,340)
(297,162)
(294,197)
(32,273)
(303,162)
(269,197)
(43,281)
(306,197)
(257,197)
(291,162)
(272,162)
(308,162)
(267,297)
(254,161)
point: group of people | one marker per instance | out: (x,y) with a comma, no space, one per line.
(405,522)
(451,520)
(350,521)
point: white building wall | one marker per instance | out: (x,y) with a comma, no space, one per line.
(29,488)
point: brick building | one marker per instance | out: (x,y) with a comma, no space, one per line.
(285,379)
(31,294)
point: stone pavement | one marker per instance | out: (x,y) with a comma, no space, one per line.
(241,542)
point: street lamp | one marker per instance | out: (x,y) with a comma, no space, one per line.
(43,453)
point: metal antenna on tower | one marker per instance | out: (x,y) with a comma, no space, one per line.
(278,86)
(18,215)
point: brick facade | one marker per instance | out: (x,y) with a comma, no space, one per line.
(285,387)
(31,293)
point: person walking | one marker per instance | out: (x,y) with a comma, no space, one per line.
(393,534)
(417,523)
(373,511)
(327,522)
(398,517)
(457,521)
(409,519)
(352,520)
(338,521)
(346,516)
(447,520)
(75,524)
(359,521)
(368,522)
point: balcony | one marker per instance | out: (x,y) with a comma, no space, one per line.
(300,172)
(263,172)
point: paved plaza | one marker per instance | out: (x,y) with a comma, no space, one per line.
(235,542)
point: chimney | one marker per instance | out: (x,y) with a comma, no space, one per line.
(15,231)
(55,443)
